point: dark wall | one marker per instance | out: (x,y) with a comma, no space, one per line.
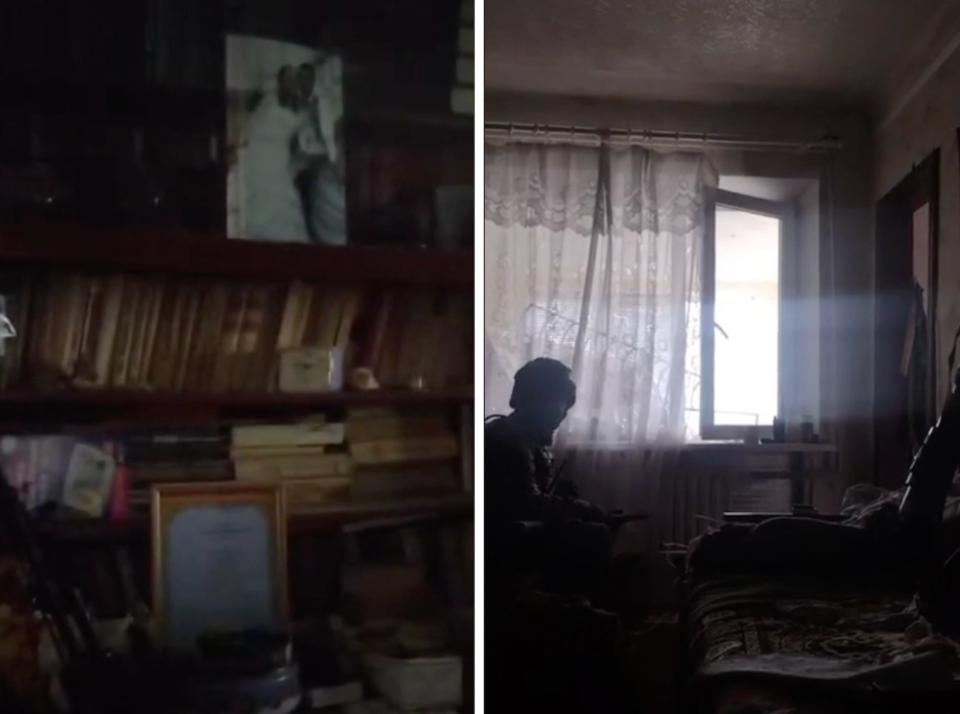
(114,109)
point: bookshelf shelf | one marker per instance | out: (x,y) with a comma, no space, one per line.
(330,519)
(32,412)
(165,251)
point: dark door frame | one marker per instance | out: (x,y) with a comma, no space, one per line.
(893,300)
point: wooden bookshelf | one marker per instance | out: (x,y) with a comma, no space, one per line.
(324,520)
(35,412)
(172,251)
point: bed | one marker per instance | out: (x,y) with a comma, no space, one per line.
(825,627)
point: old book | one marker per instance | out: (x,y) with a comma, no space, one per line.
(388,356)
(106,334)
(194,357)
(396,426)
(314,432)
(329,318)
(250,324)
(52,327)
(35,328)
(315,306)
(204,348)
(139,335)
(265,359)
(275,452)
(77,307)
(188,334)
(369,355)
(157,303)
(85,367)
(228,338)
(62,319)
(292,467)
(124,335)
(162,343)
(351,308)
(399,450)
(295,315)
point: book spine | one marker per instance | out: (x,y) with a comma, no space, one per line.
(188,335)
(229,339)
(292,467)
(399,450)
(121,346)
(158,297)
(288,435)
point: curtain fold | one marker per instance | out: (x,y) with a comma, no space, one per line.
(593,257)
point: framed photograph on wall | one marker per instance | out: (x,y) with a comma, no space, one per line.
(219,560)
(285,149)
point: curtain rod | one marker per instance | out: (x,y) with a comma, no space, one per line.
(549,133)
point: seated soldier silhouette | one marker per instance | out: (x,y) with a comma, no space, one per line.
(535,524)
(548,558)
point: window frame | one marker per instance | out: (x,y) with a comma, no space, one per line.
(709,430)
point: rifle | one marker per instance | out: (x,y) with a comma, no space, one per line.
(92,680)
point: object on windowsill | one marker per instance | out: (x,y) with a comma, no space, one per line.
(311,369)
(779,430)
(363,380)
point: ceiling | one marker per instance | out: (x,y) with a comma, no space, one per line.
(784,51)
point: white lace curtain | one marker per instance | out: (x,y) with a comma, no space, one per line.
(592,257)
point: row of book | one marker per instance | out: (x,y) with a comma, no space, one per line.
(176,335)
(371,455)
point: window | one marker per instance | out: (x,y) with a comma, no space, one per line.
(740,319)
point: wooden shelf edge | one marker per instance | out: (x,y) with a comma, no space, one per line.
(126,397)
(323,519)
(76,410)
(175,251)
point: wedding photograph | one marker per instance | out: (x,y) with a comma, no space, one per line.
(286,163)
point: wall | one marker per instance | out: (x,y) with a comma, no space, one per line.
(930,120)
(846,258)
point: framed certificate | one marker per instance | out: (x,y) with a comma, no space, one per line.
(219,559)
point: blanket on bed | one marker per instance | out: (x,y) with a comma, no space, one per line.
(815,632)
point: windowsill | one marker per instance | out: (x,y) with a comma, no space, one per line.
(718,446)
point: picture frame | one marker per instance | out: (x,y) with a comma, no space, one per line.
(219,559)
(285,138)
